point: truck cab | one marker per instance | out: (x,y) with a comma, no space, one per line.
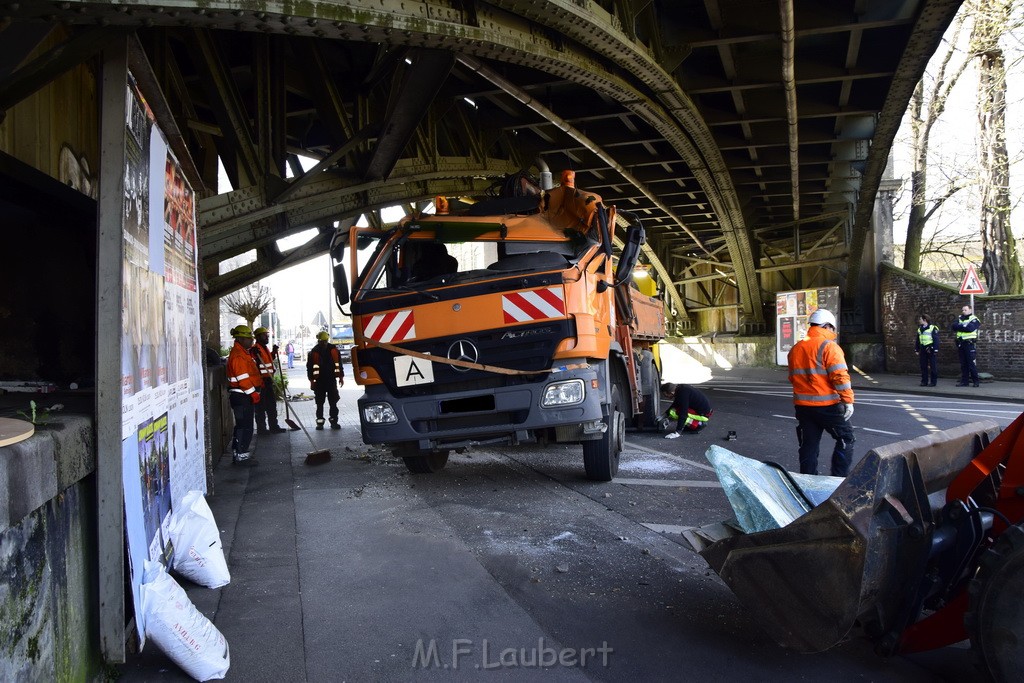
(498,325)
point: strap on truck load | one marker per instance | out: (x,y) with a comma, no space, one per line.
(472,366)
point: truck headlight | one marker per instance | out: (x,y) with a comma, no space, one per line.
(379,414)
(565,393)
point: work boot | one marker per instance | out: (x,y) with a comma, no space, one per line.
(277,429)
(320,423)
(932,384)
(976,385)
(961,384)
(261,430)
(335,425)
(239,457)
(924,384)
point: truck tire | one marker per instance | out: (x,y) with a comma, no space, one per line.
(650,385)
(601,457)
(995,617)
(421,462)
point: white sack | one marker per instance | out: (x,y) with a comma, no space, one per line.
(198,553)
(181,631)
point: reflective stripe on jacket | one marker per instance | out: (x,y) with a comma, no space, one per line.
(967,328)
(817,370)
(264,360)
(314,361)
(243,375)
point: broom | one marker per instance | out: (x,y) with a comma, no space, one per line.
(316,456)
(284,390)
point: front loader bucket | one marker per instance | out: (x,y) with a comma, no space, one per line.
(858,556)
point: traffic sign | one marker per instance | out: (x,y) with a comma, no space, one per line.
(971,283)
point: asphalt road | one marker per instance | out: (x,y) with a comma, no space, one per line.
(509,564)
(605,563)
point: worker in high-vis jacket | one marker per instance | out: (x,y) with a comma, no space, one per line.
(266,409)
(243,391)
(822,394)
(323,368)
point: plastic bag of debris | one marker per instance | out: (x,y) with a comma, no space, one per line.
(198,553)
(181,631)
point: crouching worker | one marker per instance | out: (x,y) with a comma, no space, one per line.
(690,408)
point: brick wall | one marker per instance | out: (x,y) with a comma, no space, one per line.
(906,296)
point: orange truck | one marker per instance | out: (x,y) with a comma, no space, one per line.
(505,322)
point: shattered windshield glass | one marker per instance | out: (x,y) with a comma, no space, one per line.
(763,495)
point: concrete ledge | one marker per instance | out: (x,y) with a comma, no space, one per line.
(34,471)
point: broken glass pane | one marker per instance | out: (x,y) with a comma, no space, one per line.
(762,495)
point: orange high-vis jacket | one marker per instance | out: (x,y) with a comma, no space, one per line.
(817,370)
(264,360)
(243,375)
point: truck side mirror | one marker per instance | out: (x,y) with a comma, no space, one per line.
(635,238)
(340,284)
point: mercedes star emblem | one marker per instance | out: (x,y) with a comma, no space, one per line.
(463,350)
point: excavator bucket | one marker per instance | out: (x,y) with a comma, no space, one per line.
(813,556)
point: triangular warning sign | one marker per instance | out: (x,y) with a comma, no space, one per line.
(971,283)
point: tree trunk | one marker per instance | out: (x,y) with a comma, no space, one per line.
(1000,265)
(918,183)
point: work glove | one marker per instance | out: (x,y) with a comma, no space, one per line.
(312,386)
(255,397)
(847,411)
(673,414)
(274,350)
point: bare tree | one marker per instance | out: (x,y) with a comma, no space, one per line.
(249,303)
(1000,265)
(927,105)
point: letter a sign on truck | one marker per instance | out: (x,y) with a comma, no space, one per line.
(971,283)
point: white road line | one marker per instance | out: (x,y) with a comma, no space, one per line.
(686,483)
(666,528)
(694,463)
(866,429)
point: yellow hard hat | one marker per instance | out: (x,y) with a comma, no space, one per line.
(241,331)
(322,336)
(261,330)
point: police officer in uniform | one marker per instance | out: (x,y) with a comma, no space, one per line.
(926,343)
(966,328)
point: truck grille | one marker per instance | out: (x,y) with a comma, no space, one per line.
(530,350)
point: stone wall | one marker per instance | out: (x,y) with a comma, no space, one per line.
(48,611)
(905,296)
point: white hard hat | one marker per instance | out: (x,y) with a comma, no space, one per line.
(822,317)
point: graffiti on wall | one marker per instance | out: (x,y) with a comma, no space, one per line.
(998,327)
(74,171)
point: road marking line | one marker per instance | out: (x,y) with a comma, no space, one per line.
(866,429)
(667,528)
(686,483)
(653,451)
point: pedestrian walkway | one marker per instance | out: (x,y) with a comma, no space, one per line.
(322,574)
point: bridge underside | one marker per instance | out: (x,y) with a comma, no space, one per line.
(750,137)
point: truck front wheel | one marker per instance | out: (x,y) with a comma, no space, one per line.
(421,462)
(601,457)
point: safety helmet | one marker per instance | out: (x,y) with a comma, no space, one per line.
(260,330)
(242,332)
(822,317)
(321,336)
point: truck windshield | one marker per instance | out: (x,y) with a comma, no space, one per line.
(404,265)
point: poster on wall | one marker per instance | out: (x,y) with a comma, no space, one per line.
(162,418)
(791,312)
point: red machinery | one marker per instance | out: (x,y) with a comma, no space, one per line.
(921,546)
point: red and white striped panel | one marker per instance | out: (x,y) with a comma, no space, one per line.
(535,304)
(394,326)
